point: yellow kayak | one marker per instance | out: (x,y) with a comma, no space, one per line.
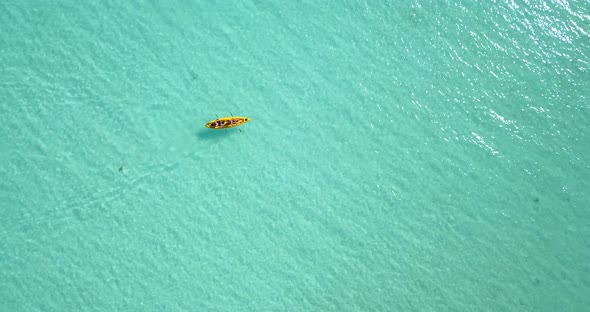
(227,122)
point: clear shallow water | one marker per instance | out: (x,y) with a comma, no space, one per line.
(424,156)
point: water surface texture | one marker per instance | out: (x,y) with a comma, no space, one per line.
(402,156)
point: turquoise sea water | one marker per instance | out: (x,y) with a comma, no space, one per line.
(403,156)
